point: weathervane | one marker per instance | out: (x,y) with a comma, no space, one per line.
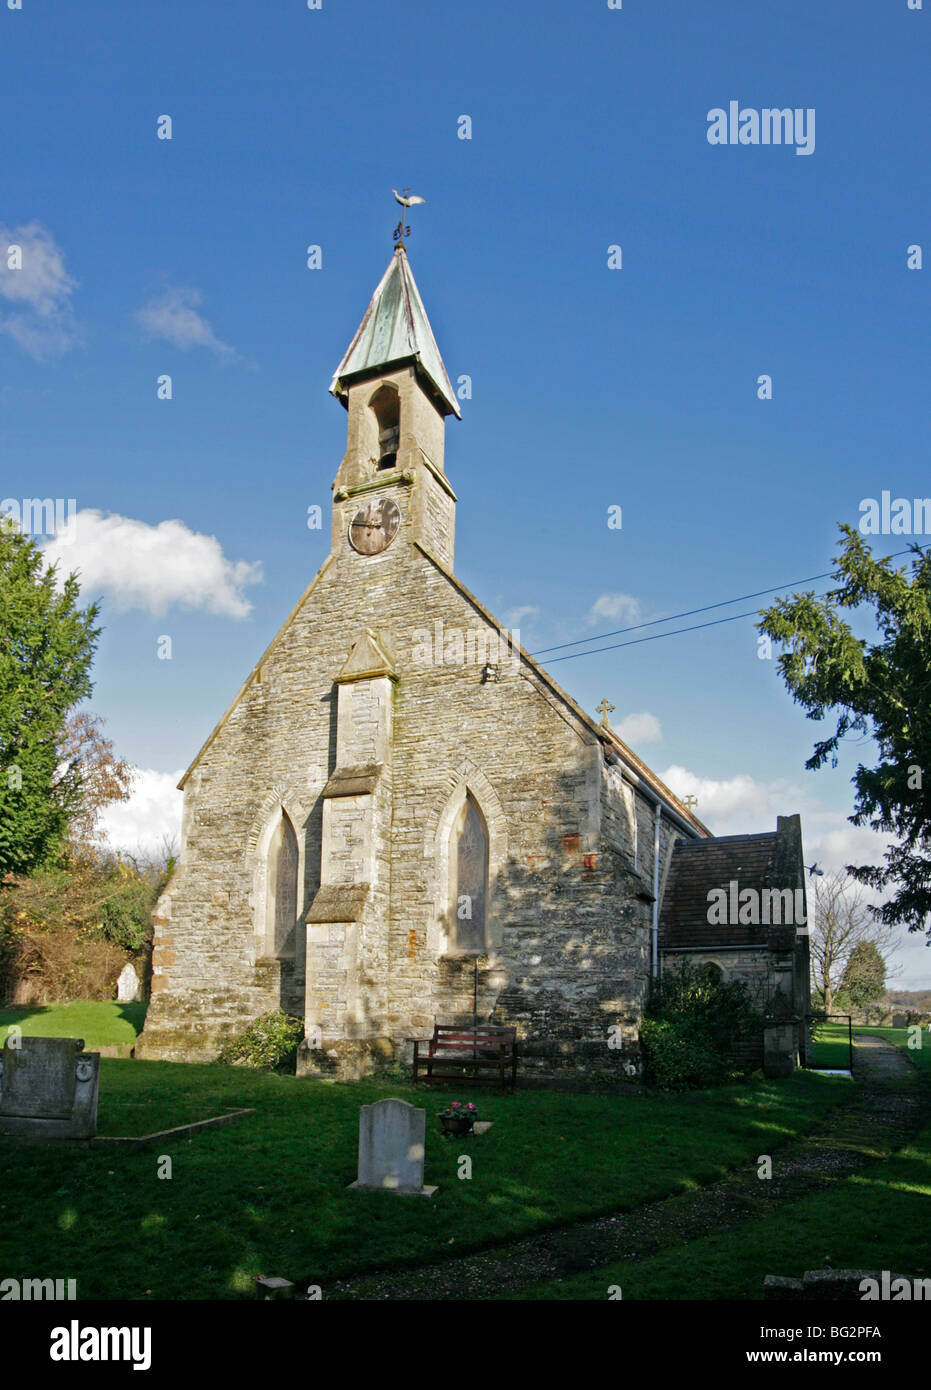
(407,200)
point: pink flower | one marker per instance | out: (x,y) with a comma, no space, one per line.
(471,1106)
(455,1105)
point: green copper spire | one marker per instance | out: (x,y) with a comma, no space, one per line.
(395,330)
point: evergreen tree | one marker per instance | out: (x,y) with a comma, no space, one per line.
(865,977)
(47,645)
(878,688)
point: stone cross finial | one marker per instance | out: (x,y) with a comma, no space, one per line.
(690,802)
(604,709)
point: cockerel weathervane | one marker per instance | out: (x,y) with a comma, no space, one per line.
(407,199)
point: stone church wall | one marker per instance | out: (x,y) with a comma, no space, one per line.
(569,939)
(388,714)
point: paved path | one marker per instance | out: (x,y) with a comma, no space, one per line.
(886,1107)
(874,1057)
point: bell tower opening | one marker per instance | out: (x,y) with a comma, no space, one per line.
(385,405)
(396,390)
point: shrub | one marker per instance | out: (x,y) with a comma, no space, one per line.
(46,966)
(126,914)
(677,1058)
(268,1044)
(692,1022)
(66,930)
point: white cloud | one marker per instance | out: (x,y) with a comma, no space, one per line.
(737,805)
(513,617)
(642,727)
(174,317)
(623,606)
(151,816)
(151,567)
(743,806)
(41,289)
(842,843)
(832,843)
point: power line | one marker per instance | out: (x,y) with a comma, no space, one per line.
(688,613)
(715,622)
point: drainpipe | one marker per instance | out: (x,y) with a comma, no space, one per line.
(656,824)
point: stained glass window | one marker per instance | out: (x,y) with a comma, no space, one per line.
(468,878)
(281,890)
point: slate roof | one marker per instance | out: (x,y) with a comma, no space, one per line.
(395,329)
(698,866)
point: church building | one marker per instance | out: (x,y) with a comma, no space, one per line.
(402,819)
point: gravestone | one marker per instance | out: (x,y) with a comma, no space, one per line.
(127,986)
(48,1088)
(899,1021)
(273,1287)
(834,1284)
(780,1047)
(391,1148)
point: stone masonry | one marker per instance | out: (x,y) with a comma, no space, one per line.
(368,725)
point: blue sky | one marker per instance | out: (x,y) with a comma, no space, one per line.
(592,387)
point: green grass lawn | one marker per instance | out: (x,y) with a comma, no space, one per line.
(268,1193)
(99,1023)
(879,1218)
(831,1047)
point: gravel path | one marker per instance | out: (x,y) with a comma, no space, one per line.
(885,1109)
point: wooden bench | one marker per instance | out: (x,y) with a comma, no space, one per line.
(486,1054)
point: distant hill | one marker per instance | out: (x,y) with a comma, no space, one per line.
(917,999)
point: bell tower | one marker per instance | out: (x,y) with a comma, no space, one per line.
(393,383)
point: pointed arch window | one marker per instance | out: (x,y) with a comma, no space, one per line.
(468,879)
(281,890)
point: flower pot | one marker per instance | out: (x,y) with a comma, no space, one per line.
(456,1124)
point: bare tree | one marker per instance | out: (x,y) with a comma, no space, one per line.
(842,921)
(155,863)
(87,754)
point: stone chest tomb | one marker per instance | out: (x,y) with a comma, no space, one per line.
(48,1088)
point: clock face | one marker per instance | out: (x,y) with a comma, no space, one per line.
(374,526)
